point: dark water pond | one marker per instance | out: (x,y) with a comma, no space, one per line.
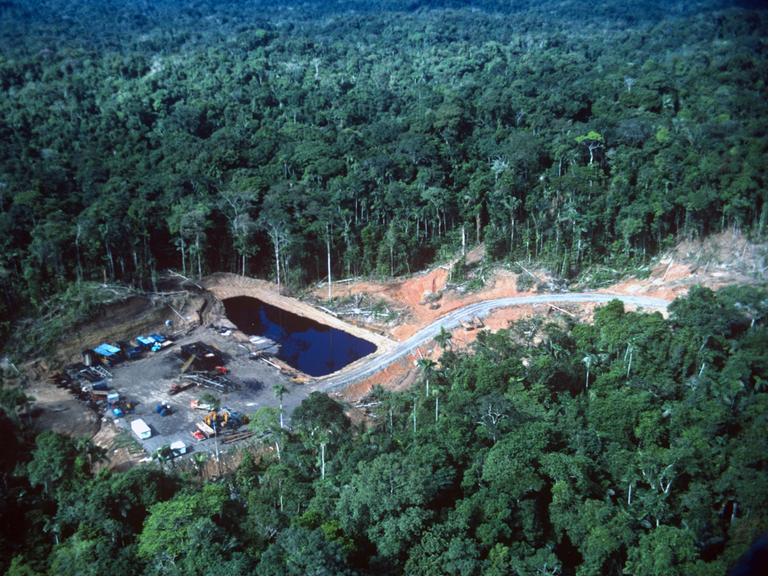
(309,346)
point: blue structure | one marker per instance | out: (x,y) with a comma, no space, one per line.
(134,352)
(106,350)
(145,341)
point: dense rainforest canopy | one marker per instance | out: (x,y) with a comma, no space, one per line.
(209,136)
(267,138)
(635,445)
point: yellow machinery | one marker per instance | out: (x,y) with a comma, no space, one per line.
(216,418)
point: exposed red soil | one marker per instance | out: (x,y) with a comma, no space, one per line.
(397,376)
(717,261)
(409,293)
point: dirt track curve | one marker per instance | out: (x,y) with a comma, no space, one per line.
(365,367)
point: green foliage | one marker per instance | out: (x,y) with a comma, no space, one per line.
(652,465)
(231,142)
(56,463)
(19,568)
(174,526)
(458,270)
(12,400)
(81,555)
(662,135)
(134,141)
(319,414)
(299,551)
(524,282)
(388,500)
(61,314)
(591,136)
(210,400)
(664,551)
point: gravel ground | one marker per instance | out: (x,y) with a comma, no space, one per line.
(147,381)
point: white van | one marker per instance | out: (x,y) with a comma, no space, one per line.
(178,448)
(141,429)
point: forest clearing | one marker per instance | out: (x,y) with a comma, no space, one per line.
(672,276)
(387,287)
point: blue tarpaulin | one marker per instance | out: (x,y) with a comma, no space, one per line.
(106,350)
(145,340)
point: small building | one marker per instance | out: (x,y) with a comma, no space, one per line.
(206,356)
(107,353)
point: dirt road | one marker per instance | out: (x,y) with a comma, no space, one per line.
(366,367)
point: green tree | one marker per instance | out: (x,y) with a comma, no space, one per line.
(237,204)
(55,463)
(173,526)
(593,141)
(443,338)
(267,424)
(280,390)
(13,400)
(19,568)
(188,221)
(299,551)
(427,366)
(665,550)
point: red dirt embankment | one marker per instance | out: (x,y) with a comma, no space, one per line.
(716,261)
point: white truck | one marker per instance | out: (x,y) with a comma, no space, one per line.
(178,448)
(141,429)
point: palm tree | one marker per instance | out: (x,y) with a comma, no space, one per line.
(436,394)
(280,390)
(443,339)
(588,361)
(265,423)
(390,403)
(427,366)
(199,459)
(92,453)
(324,437)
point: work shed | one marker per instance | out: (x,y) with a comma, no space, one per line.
(104,353)
(206,356)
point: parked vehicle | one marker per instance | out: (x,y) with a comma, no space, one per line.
(178,448)
(198,435)
(164,409)
(141,429)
